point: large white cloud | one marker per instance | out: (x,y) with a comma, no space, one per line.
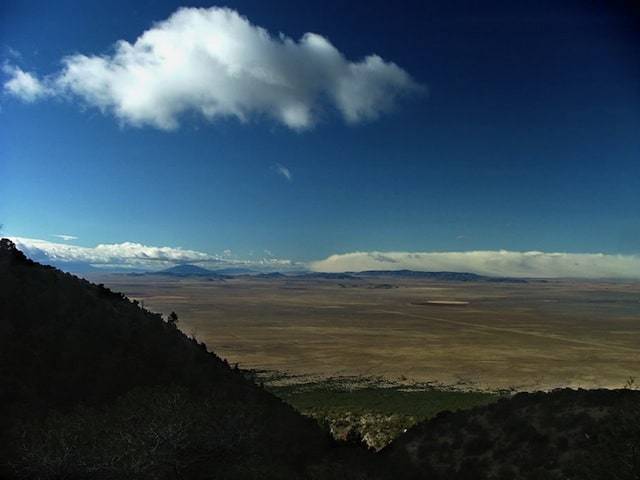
(135,255)
(495,263)
(216,63)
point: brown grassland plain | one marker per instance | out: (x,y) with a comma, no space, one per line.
(535,335)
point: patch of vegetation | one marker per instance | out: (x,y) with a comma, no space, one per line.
(373,409)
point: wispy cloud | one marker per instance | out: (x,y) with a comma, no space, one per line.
(135,255)
(495,263)
(216,63)
(11,52)
(66,238)
(283,171)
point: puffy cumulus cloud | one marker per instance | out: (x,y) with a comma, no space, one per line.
(133,255)
(493,263)
(216,63)
(24,85)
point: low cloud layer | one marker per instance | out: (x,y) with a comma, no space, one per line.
(216,63)
(132,255)
(493,263)
(125,254)
(500,263)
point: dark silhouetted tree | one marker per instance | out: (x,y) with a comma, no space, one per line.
(173,319)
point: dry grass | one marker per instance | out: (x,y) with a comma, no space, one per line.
(536,335)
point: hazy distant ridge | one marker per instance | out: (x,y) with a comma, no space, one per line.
(446,276)
(188,270)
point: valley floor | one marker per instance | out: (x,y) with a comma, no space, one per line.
(485,336)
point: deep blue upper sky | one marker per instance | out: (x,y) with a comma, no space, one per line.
(529,138)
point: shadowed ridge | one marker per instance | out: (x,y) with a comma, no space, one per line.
(94,385)
(88,343)
(564,434)
(9,253)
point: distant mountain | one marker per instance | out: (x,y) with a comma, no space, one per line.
(233,271)
(75,267)
(187,270)
(328,276)
(270,275)
(83,268)
(443,276)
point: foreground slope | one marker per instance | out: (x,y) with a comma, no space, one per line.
(95,386)
(565,434)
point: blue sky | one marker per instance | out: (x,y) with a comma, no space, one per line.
(528,137)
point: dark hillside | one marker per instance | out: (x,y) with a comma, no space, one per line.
(63,340)
(94,385)
(566,434)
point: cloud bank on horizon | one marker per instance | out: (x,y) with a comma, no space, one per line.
(128,255)
(216,63)
(500,263)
